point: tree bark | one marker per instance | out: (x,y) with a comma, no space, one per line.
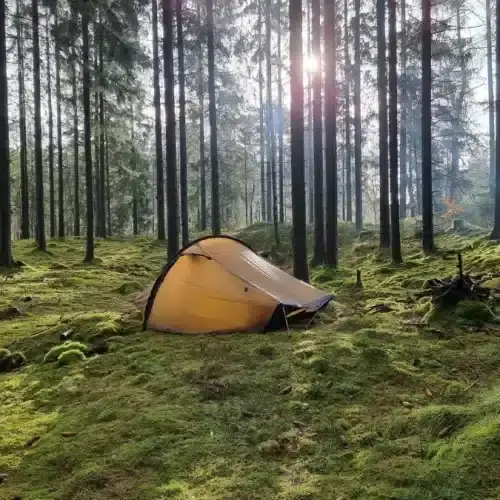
(426,143)
(5,215)
(491,99)
(385,230)
(201,104)
(25,207)
(52,198)
(331,132)
(182,128)
(60,180)
(171,157)
(245,164)
(76,141)
(40,212)
(160,193)
(348,153)
(89,253)
(393,138)
(271,134)
(358,180)
(495,235)
(212,111)
(108,187)
(263,199)
(280,125)
(102,176)
(403,181)
(310,141)
(299,234)
(319,221)
(135,202)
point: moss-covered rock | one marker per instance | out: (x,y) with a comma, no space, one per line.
(54,354)
(70,357)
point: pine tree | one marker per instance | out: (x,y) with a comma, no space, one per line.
(347,78)
(403,182)
(263,200)
(331,132)
(212,111)
(385,230)
(393,131)
(52,197)
(60,180)
(40,210)
(495,235)
(491,100)
(426,144)
(280,125)
(160,193)
(357,116)
(201,106)
(5,216)
(76,141)
(319,236)
(299,235)
(182,127)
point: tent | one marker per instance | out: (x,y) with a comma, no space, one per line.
(217,284)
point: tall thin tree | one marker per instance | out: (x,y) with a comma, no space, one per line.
(495,235)
(89,253)
(383,159)
(171,157)
(60,180)
(5,217)
(263,199)
(102,167)
(271,134)
(403,147)
(393,131)
(52,196)
(491,99)
(319,234)
(426,142)
(280,123)
(357,116)
(201,106)
(331,132)
(212,111)
(299,235)
(76,142)
(160,193)
(23,156)
(347,78)
(182,126)
(40,209)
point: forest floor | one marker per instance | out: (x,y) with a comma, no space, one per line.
(362,406)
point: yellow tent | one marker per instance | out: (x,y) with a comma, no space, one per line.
(217,284)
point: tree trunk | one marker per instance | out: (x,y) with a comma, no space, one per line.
(299,234)
(76,140)
(261,123)
(426,142)
(319,227)
(108,187)
(393,131)
(347,77)
(404,106)
(135,203)
(280,124)
(495,235)
(491,101)
(97,199)
(310,141)
(245,162)
(160,193)
(201,104)
(357,116)
(89,254)
(40,212)
(171,157)
(331,132)
(182,128)
(385,229)
(5,215)
(25,208)
(271,134)
(102,182)
(60,180)
(212,111)
(52,198)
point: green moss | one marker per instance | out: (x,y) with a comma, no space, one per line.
(56,351)
(70,357)
(474,311)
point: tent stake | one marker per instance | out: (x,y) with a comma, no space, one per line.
(286,319)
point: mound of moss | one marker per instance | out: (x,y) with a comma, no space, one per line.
(55,353)
(70,357)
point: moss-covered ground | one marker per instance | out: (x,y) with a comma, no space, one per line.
(363,405)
